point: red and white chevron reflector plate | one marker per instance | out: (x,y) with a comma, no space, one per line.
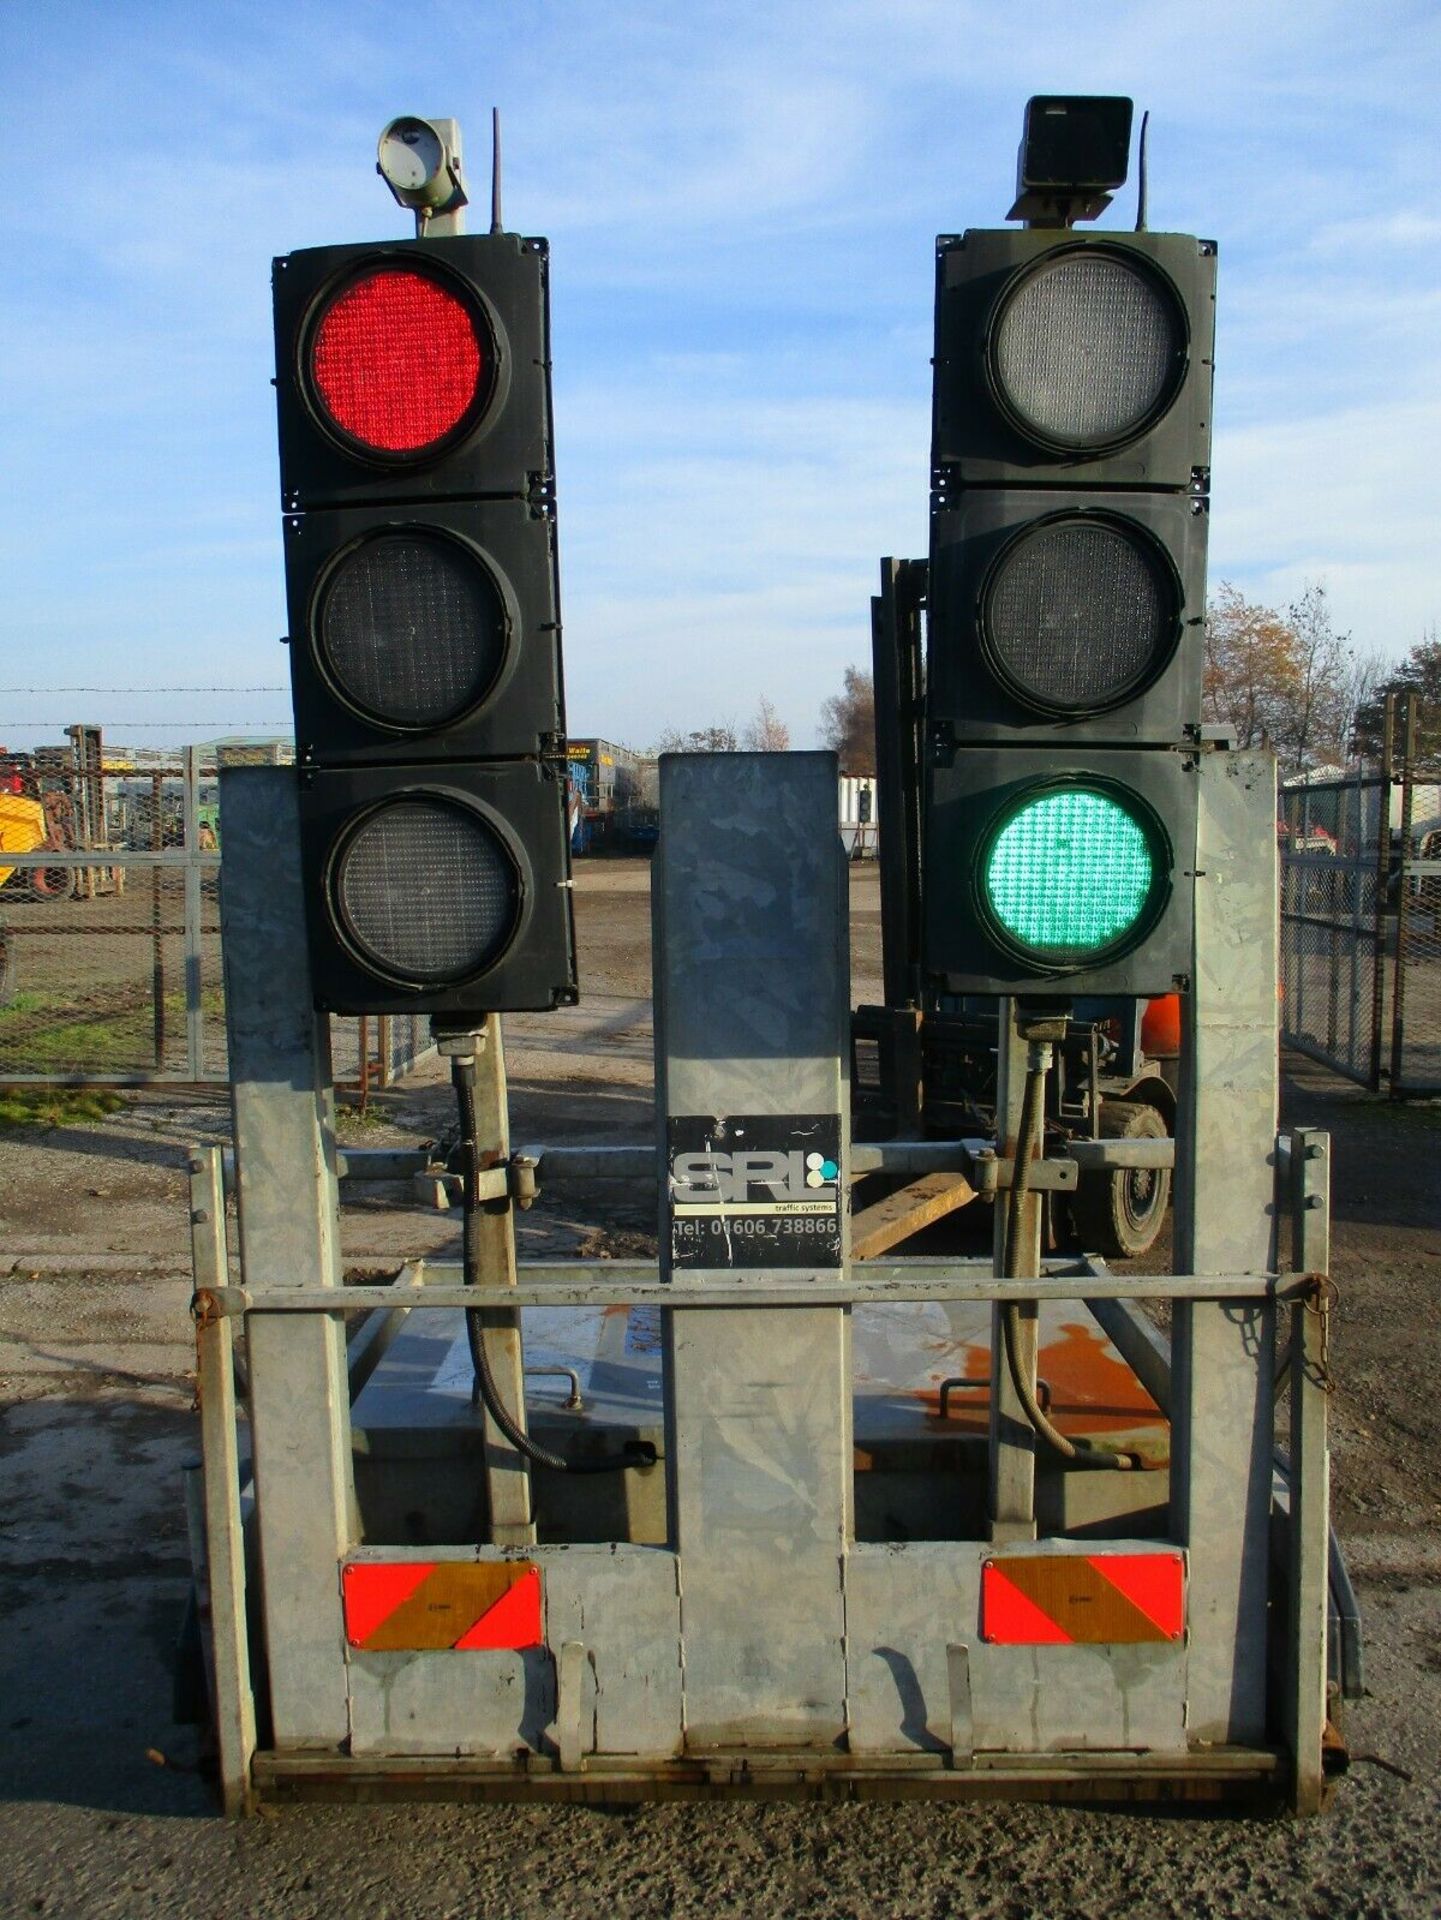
(1076,1599)
(463,1605)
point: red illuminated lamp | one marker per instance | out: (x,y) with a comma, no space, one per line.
(398,362)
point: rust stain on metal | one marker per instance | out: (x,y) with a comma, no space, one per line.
(1091,1390)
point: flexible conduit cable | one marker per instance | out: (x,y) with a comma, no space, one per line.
(1027,1143)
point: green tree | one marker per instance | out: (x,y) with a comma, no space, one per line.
(1419,676)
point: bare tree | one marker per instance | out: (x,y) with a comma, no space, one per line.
(721,739)
(1319,721)
(848,723)
(1362,683)
(1290,679)
(767,732)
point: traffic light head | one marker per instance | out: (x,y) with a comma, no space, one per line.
(1073,358)
(1066,606)
(439,889)
(1051,873)
(418,366)
(413,383)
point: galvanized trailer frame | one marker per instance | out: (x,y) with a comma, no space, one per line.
(764,1649)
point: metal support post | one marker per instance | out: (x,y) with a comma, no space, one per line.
(1407,720)
(194,945)
(507,1473)
(1012,1438)
(898,679)
(1379,912)
(752,997)
(234,1700)
(1310,1468)
(284,1110)
(1224,1355)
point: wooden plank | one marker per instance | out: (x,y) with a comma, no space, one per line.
(878,1228)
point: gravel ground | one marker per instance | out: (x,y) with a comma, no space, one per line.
(103,1814)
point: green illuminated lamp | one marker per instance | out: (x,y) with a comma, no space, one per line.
(1073,873)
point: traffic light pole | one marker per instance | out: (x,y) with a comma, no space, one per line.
(1223,1357)
(510,1518)
(287,1202)
(1012,1437)
(898,678)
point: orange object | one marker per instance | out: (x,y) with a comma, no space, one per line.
(1161,1026)
(463,1605)
(1073,1599)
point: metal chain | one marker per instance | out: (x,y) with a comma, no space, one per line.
(202,1312)
(1321,1296)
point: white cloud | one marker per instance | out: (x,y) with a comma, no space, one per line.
(1351,498)
(741,200)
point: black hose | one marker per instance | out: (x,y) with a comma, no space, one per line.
(637,1453)
(1027,1144)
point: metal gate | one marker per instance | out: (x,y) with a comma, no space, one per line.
(1415,907)
(1361,914)
(1332,893)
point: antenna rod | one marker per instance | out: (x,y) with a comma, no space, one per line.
(495,220)
(1141,174)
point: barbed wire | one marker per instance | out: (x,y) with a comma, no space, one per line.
(145,690)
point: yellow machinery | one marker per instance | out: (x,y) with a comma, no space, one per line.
(23,828)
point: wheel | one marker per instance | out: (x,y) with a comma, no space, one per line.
(1119,1214)
(52,883)
(7,965)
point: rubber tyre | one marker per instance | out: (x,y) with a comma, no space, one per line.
(1120,1214)
(7,965)
(52,883)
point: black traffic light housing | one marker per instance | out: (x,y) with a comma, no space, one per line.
(492,290)
(399,936)
(1066,599)
(1067,615)
(417,477)
(1019,401)
(971,795)
(364,682)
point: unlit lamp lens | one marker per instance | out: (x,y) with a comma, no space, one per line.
(1087,350)
(412,629)
(1070,875)
(426,892)
(1080,612)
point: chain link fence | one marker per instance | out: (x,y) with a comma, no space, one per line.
(110,957)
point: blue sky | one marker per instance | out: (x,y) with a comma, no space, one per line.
(741,202)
